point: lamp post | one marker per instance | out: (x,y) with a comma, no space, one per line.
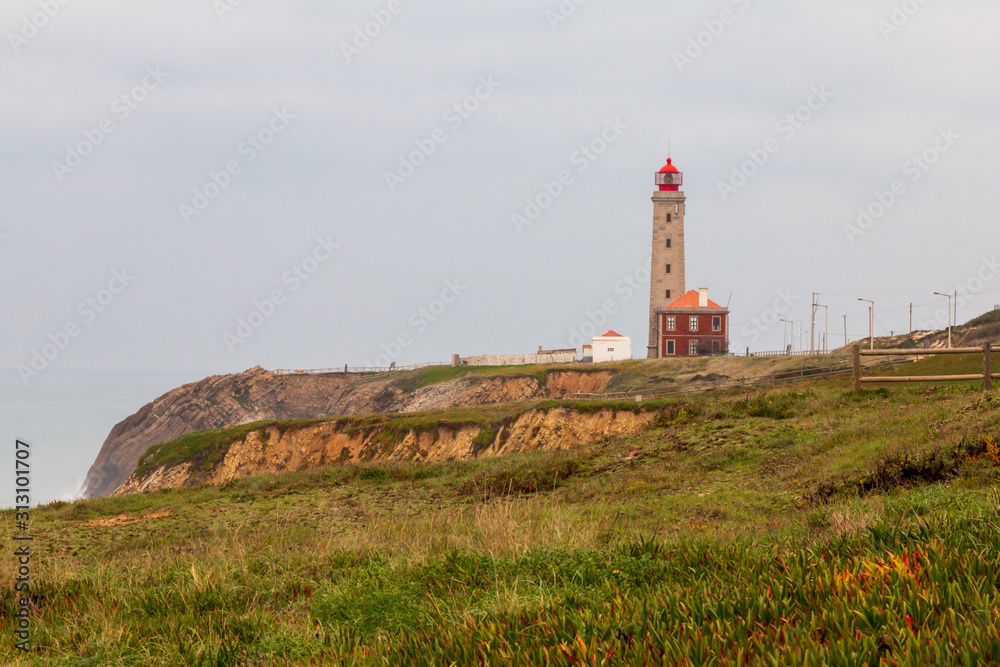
(791,337)
(949,315)
(871,321)
(826,336)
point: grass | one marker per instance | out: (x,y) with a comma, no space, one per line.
(626,375)
(205,450)
(437,374)
(739,529)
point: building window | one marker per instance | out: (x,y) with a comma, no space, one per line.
(694,323)
(671,323)
(716,347)
(668,294)
(671,349)
(670,217)
(611,349)
(717,323)
(669,243)
(693,348)
(668,268)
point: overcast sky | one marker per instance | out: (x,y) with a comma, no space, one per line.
(250,145)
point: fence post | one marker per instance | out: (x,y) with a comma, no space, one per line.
(987,366)
(857,367)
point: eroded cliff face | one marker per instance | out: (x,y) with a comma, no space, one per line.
(272,449)
(259,395)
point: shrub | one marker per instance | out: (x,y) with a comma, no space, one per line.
(513,477)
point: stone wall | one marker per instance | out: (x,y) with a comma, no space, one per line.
(519,359)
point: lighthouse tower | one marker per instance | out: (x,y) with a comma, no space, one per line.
(666,282)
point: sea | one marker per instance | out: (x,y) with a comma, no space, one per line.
(64,417)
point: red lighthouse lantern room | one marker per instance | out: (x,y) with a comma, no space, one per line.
(670,178)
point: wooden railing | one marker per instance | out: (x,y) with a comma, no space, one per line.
(987,376)
(358,369)
(784,353)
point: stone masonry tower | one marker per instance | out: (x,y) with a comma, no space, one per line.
(666,282)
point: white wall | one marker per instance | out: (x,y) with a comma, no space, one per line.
(519,359)
(612,349)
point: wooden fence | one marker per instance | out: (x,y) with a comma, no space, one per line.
(987,376)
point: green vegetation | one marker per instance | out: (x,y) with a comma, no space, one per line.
(437,374)
(632,376)
(806,526)
(204,449)
(946,364)
(990,317)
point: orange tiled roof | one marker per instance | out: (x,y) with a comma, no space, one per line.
(691,300)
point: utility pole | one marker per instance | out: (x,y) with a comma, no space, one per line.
(826,329)
(826,335)
(846,342)
(871,321)
(812,327)
(956,309)
(949,314)
(784,329)
(911,317)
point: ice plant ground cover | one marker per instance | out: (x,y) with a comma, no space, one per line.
(804,526)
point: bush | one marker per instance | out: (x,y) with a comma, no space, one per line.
(770,406)
(513,477)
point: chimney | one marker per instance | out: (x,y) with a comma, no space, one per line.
(703,297)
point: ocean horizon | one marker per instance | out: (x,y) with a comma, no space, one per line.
(65,416)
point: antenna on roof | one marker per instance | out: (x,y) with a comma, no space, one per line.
(730,300)
(668,149)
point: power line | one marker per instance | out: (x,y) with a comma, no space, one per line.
(980,293)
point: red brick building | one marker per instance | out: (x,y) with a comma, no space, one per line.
(693,326)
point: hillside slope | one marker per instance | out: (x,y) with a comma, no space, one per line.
(218,458)
(804,526)
(259,395)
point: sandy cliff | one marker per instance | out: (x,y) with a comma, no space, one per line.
(272,449)
(259,395)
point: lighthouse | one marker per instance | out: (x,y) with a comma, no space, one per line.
(666,282)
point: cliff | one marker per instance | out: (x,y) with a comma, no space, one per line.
(279,447)
(259,395)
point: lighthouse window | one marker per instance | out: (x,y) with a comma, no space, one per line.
(668,294)
(670,217)
(670,243)
(668,268)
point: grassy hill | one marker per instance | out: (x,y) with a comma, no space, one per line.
(802,526)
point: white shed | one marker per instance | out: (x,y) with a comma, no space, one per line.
(612,346)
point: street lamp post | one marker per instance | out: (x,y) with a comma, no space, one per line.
(871,321)
(826,336)
(791,338)
(949,315)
